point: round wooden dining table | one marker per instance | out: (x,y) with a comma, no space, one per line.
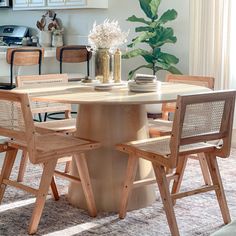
(111,117)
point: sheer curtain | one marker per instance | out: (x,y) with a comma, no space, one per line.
(210,40)
(232,64)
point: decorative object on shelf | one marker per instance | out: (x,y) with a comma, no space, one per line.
(155,34)
(45,38)
(49,25)
(117,66)
(104,38)
(57,37)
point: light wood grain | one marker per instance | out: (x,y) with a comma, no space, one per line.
(44,149)
(120,117)
(77,93)
(66,125)
(189,136)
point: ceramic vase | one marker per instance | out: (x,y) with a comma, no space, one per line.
(45,38)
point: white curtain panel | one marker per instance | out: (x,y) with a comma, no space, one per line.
(210,37)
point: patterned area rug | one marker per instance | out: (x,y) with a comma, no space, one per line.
(196,215)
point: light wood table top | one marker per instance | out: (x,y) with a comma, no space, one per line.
(77,93)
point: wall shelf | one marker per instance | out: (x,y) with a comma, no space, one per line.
(58,4)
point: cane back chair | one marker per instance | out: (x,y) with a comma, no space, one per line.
(16,123)
(67,125)
(198,120)
(160,127)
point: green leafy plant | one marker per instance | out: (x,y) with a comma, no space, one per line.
(155,34)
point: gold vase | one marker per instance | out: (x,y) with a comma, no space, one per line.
(100,64)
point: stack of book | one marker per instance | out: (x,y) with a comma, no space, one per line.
(144,83)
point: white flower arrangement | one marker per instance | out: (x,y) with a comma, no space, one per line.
(107,35)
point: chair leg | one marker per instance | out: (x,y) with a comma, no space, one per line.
(216,180)
(166,198)
(204,169)
(45,182)
(128,183)
(54,189)
(82,167)
(40,117)
(182,161)
(45,116)
(6,170)
(23,163)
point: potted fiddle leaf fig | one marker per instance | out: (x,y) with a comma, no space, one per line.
(155,34)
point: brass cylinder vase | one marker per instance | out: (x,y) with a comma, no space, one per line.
(100,64)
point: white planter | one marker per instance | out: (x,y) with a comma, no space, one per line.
(45,38)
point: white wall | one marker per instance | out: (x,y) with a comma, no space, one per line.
(78,23)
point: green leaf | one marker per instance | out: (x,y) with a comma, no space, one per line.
(174,70)
(133,18)
(131,44)
(154,5)
(144,4)
(134,53)
(148,57)
(132,72)
(169,15)
(168,58)
(150,8)
(163,36)
(143,28)
(143,37)
(162,65)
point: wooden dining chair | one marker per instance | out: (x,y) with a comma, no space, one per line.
(16,123)
(163,126)
(67,125)
(198,120)
(74,54)
(23,56)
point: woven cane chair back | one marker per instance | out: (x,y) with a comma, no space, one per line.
(50,80)
(12,120)
(203,118)
(203,81)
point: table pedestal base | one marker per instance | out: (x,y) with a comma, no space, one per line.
(112,124)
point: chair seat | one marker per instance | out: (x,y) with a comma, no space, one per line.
(65,125)
(158,149)
(59,145)
(159,127)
